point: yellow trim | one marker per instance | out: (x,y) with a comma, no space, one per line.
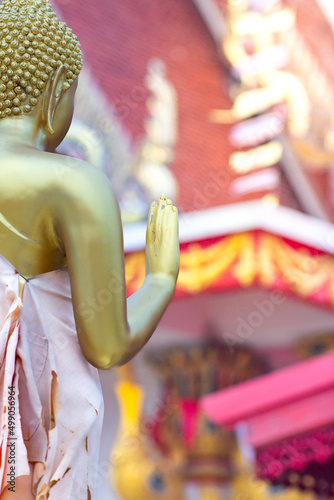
(251,258)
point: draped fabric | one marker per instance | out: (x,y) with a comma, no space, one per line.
(52,405)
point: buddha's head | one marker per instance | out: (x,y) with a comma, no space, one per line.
(40,60)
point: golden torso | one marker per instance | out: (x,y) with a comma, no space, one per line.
(27,236)
(57,211)
(52,205)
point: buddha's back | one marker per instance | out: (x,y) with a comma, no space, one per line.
(51,205)
(31,187)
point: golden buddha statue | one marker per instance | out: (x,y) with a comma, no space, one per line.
(62,282)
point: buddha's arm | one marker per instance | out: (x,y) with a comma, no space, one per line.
(111,330)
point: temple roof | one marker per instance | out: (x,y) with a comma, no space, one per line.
(318,39)
(120,38)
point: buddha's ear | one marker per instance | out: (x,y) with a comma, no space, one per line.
(52,96)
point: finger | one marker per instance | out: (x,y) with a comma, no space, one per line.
(165,229)
(173,222)
(151,223)
(170,226)
(160,216)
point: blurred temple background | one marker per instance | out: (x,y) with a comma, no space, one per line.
(227,107)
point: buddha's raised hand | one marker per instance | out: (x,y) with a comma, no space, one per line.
(162,239)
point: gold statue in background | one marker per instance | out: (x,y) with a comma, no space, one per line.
(138,472)
(58,212)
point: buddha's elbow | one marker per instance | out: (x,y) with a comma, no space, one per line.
(107,357)
(107,362)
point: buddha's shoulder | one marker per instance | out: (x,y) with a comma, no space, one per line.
(69,175)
